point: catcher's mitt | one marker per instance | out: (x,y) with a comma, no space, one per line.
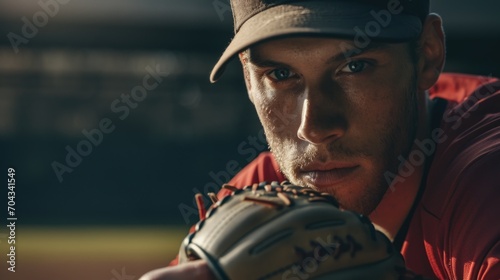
(283,231)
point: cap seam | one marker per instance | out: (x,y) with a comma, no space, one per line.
(257,11)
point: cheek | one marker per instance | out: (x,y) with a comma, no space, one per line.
(378,114)
(279,115)
(378,101)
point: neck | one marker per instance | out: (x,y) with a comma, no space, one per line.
(396,204)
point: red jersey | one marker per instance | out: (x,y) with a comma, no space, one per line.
(454,230)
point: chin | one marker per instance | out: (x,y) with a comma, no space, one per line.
(357,194)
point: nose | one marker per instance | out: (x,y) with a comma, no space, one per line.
(321,120)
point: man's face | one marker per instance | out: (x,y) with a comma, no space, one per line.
(334,123)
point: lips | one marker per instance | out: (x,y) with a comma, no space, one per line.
(328,175)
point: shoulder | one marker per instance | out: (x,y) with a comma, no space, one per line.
(470,137)
(462,195)
(457,87)
(459,218)
(263,168)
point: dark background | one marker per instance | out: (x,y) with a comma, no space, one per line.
(65,78)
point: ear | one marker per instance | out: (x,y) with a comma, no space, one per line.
(432,52)
(244,63)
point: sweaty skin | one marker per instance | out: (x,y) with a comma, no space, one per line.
(338,123)
(347,118)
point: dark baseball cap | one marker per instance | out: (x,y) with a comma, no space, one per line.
(361,20)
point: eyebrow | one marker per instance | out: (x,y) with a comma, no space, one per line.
(350,49)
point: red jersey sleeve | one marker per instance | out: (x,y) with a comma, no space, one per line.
(262,168)
(455,233)
(474,227)
(468,235)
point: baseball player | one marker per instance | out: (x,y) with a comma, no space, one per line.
(354,105)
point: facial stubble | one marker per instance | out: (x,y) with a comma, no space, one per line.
(396,140)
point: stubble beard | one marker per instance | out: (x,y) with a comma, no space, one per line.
(396,140)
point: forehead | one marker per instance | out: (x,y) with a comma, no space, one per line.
(307,46)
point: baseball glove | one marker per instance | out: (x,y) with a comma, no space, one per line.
(283,231)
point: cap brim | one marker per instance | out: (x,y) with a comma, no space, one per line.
(343,19)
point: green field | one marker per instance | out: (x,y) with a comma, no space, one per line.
(75,253)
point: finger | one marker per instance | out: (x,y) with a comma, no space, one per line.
(192,270)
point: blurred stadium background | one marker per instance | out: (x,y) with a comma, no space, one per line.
(118,213)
